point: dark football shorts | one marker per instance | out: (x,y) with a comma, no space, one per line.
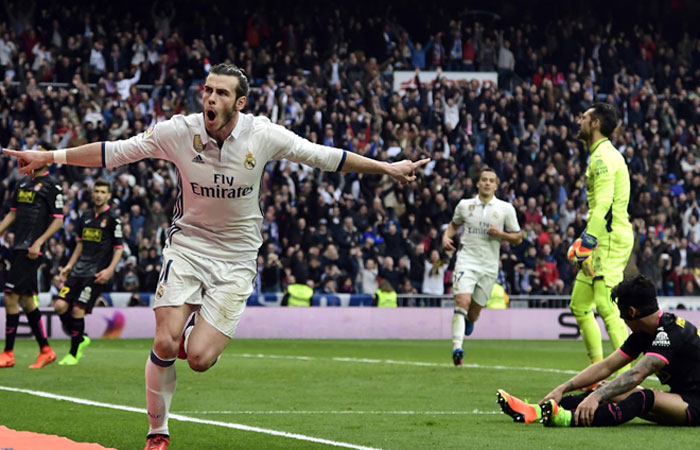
(22,277)
(693,411)
(82,291)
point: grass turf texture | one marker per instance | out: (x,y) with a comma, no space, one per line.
(332,395)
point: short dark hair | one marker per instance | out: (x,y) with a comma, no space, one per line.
(103,182)
(47,146)
(233,71)
(607,114)
(487,169)
(638,291)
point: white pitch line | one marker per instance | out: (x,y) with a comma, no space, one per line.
(411,363)
(400,413)
(402,363)
(182,418)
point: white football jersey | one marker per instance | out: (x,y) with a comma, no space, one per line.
(478,251)
(217,213)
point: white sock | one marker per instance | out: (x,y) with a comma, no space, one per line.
(187,333)
(458,327)
(160,387)
(188,330)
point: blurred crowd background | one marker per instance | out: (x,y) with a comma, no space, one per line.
(85,72)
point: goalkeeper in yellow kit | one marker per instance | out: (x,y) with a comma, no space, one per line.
(602,251)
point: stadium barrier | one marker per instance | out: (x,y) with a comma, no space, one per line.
(341,323)
(121,300)
(405,79)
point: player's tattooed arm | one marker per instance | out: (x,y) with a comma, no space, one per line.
(630,379)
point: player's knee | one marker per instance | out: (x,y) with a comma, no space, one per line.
(60,306)
(200,362)
(78,312)
(463,301)
(166,347)
(646,398)
(608,312)
(28,304)
(10,300)
(579,311)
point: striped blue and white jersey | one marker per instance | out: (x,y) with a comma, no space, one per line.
(217,213)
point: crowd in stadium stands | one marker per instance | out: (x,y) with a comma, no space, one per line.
(328,76)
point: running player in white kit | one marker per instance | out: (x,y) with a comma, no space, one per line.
(486,220)
(209,259)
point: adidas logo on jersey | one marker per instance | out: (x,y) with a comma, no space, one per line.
(661,340)
(198,159)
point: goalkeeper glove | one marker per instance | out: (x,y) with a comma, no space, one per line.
(581,253)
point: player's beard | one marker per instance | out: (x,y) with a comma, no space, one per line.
(582,135)
(227,117)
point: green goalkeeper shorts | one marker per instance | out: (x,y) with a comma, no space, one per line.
(610,258)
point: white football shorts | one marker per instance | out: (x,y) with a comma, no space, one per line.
(221,288)
(479,285)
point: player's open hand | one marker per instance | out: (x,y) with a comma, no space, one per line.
(583,416)
(65,271)
(103,276)
(29,160)
(405,171)
(555,395)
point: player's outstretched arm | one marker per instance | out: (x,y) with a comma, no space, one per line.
(625,382)
(591,374)
(88,155)
(402,171)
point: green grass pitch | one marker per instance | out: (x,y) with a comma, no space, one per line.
(323,394)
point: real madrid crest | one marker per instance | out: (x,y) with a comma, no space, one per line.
(160,291)
(197,143)
(37,188)
(103,223)
(249,162)
(471,207)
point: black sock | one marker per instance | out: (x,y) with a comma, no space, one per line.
(34,319)
(636,404)
(66,320)
(76,335)
(570,402)
(11,322)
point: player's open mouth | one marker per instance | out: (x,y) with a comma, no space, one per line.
(211,115)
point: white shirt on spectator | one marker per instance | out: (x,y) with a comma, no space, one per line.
(368,279)
(7,49)
(97,60)
(124,85)
(452,113)
(216,213)
(434,283)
